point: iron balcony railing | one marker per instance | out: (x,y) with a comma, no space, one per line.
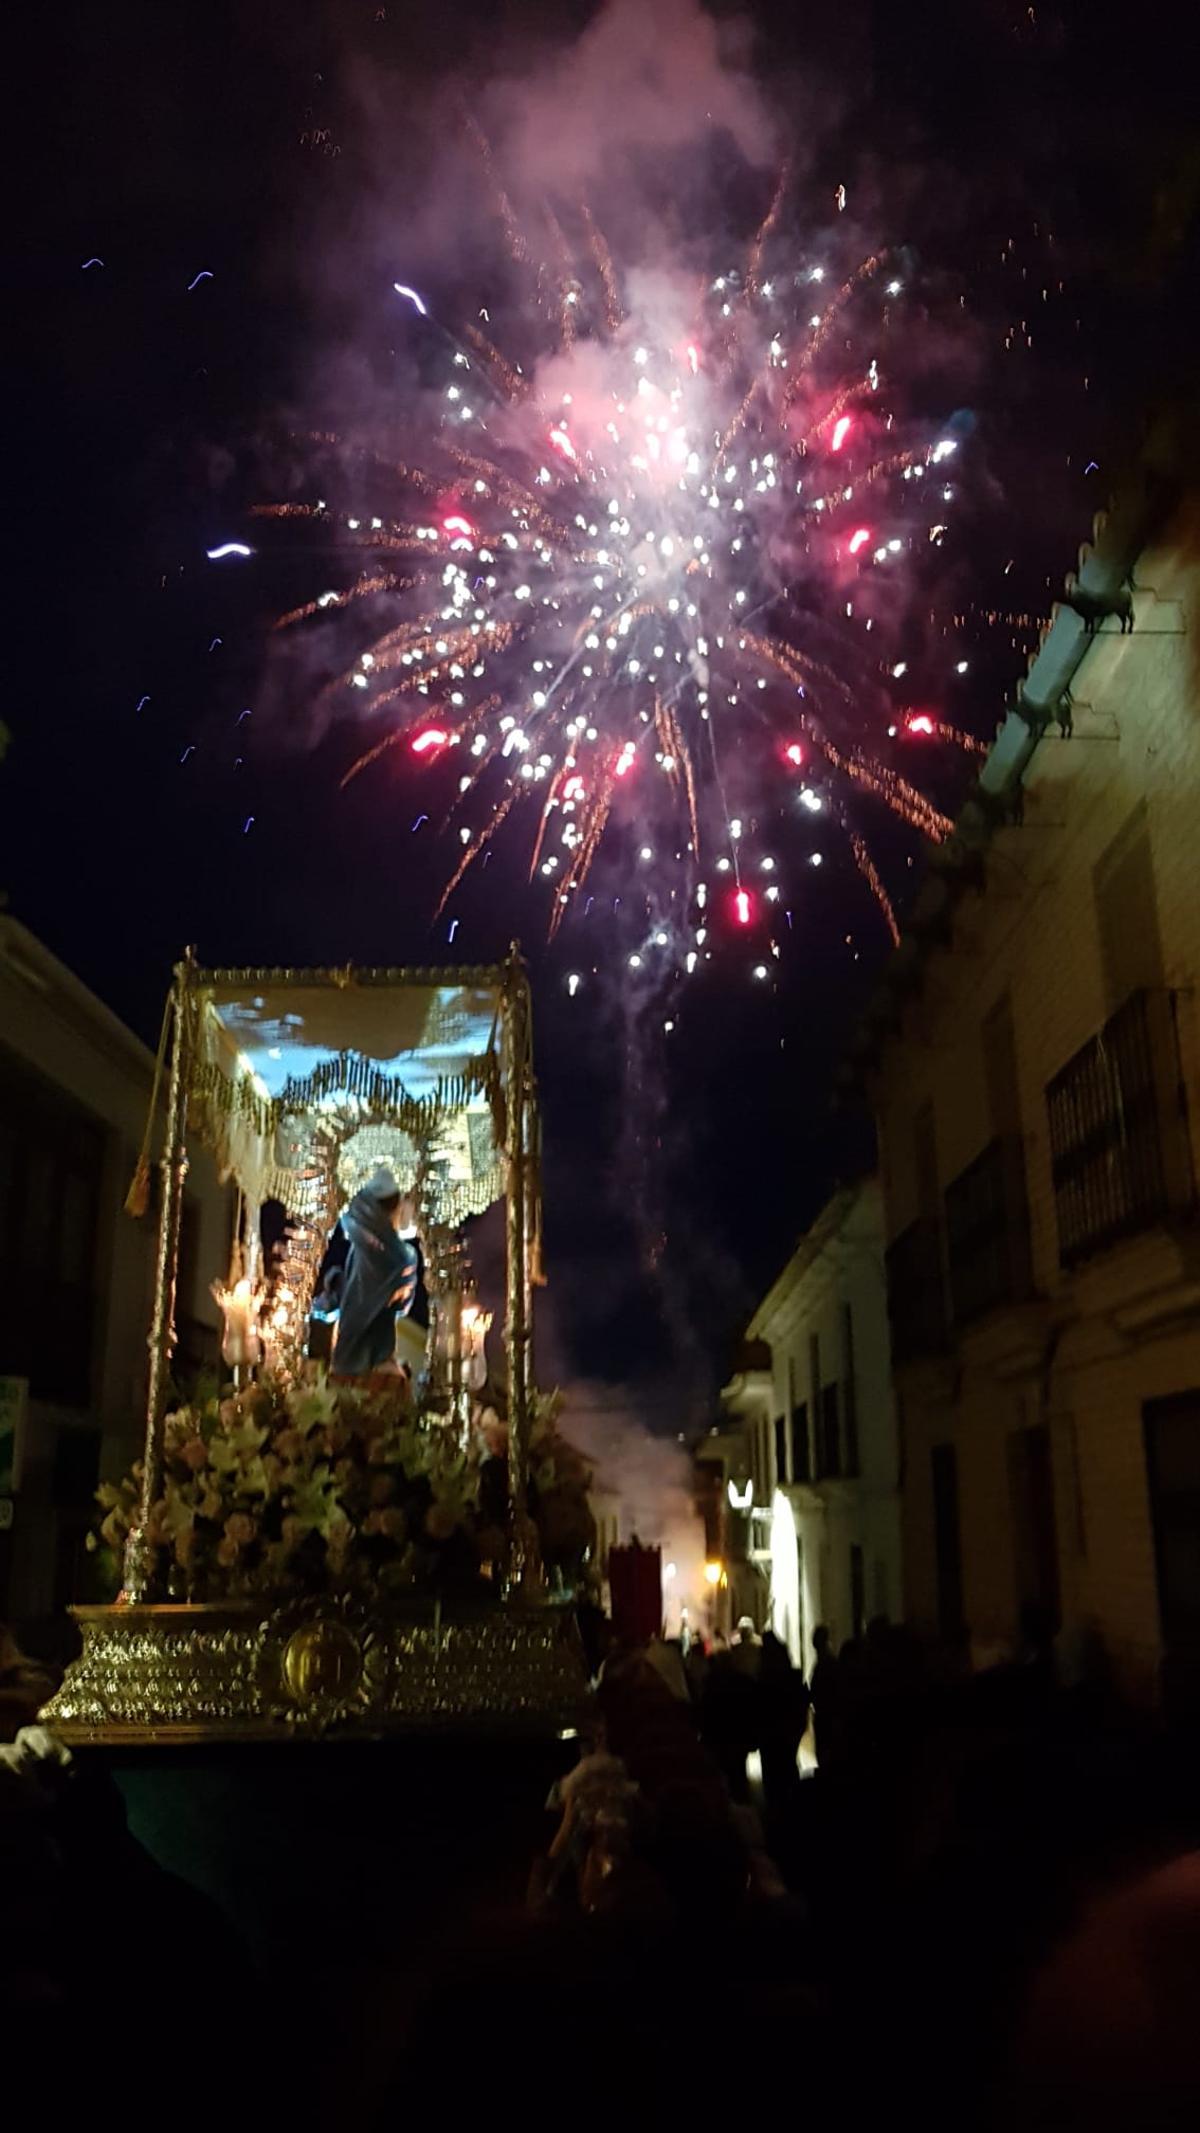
(1119,1146)
(987,1232)
(916,1293)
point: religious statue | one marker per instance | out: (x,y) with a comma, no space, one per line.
(380,1305)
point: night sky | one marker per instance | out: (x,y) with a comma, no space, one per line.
(264,146)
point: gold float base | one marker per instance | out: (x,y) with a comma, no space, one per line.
(320,1667)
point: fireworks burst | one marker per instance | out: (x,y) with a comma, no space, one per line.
(651,568)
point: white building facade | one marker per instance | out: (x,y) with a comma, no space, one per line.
(821,1430)
(1036,1079)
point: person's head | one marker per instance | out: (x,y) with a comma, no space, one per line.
(383,1187)
(821,1641)
(398,1203)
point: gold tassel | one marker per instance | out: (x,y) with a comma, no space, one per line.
(137,1199)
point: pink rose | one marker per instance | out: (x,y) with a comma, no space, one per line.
(393,1523)
(227,1414)
(194,1453)
(227,1553)
(292,1532)
(239,1528)
(289,1443)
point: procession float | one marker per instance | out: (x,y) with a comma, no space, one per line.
(361,1530)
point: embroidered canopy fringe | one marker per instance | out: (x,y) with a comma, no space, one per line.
(250,1134)
(385,1095)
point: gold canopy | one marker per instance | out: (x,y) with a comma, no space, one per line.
(293,1076)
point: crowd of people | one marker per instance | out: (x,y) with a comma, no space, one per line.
(992,1875)
(952,1848)
(736,1712)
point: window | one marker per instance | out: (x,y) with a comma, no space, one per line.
(781,1468)
(849,1391)
(1119,1151)
(814,1372)
(829,1457)
(916,1294)
(801,1465)
(987,1231)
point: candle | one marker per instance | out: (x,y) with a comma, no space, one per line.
(240,1342)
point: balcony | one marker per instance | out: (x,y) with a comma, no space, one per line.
(916,1294)
(987,1232)
(1119,1149)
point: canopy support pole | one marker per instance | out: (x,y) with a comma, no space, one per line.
(140,1554)
(525,1567)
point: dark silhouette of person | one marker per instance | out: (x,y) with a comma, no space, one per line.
(783,1716)
(825,1691)
(729,1716)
